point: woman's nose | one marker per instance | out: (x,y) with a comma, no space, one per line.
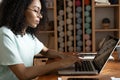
(40,16)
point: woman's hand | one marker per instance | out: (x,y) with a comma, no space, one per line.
(66,59)
(64,55)
(69,59)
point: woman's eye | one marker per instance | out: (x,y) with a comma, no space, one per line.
(36,11)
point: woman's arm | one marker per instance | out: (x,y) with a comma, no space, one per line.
(27,73)
(50,53)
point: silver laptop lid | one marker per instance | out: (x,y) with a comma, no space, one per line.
(105,51)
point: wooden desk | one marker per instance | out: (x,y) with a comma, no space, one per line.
(112,69)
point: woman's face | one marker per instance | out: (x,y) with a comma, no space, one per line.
(33,14)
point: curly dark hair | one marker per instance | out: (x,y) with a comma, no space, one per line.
(12,15)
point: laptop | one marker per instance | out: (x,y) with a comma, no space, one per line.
(95,65)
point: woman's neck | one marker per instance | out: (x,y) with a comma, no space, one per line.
(23,32)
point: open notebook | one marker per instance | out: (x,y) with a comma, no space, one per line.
(95,65)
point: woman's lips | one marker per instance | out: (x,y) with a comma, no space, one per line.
(37,21)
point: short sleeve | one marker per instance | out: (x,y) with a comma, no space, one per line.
(8,49)
(38,46)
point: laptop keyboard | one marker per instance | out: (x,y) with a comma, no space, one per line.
(83,66)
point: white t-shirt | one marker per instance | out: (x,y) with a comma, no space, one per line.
(16,49)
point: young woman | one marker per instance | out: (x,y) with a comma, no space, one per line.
(18,44)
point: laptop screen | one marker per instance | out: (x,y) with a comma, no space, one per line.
(104,52)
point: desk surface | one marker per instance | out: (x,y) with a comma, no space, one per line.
(112,69)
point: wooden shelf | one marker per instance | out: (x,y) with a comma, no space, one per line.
(66,26)
(95,11)
(47,32)
(100,30)
(115,5)
(100,12)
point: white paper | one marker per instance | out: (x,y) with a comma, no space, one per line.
(102,1)
(113,78)
(59,78)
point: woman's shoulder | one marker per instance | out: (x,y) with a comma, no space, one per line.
(6,31)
